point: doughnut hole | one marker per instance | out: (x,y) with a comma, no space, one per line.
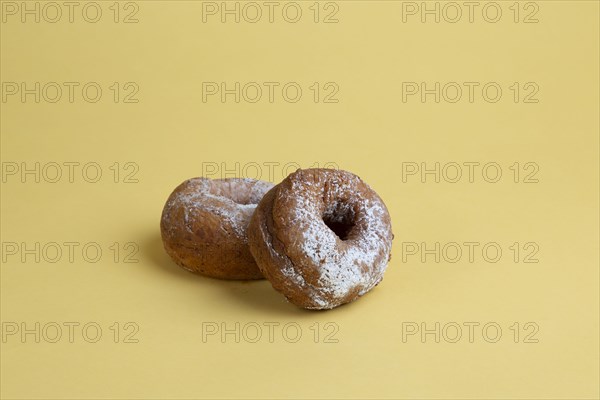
(341,219)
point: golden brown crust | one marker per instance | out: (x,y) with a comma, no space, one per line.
(204,222)
(322,237)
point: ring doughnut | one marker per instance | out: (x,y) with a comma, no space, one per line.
(322,237)
(204,222)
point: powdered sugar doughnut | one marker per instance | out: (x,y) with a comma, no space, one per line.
(322,237)
(204,223)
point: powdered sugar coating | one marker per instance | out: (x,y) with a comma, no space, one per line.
(202,195)
(318,269)
(204,226)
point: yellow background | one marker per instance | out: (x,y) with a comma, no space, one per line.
(171,132)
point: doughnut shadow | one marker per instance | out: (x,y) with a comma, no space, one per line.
(260,296)
(255,294)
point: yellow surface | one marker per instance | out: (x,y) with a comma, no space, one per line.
(371,55)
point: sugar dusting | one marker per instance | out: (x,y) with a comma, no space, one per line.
(197,197)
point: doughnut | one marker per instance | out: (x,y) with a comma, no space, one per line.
(322,237)
(204,222)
